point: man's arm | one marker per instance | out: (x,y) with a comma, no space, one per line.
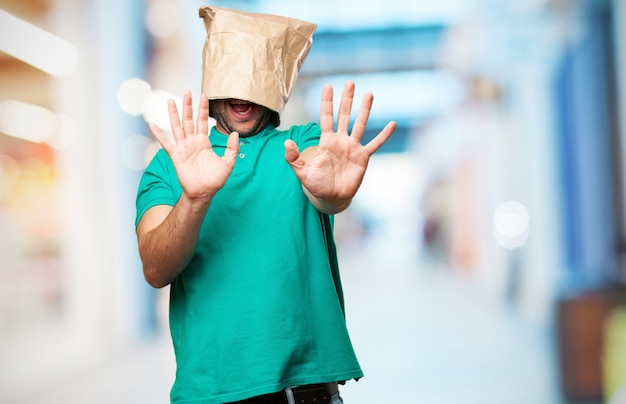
(167,236)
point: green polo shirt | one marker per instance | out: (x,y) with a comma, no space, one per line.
(260,306)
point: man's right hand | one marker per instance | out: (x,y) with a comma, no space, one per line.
(200,171)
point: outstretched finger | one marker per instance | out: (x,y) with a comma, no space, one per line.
(363,116)
(380,139)
(177,129)
(203,116)
(345,107)
(188,114)
(163,140)
(327,121)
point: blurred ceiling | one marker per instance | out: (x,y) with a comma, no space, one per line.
(390,49)
(378,39)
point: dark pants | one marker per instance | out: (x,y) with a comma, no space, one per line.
(311,394)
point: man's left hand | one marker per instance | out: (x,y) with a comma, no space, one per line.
(332,172)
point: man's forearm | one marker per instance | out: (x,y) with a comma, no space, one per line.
(327,206)
(167,249)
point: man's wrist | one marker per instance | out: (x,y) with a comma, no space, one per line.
(328,206)
(195,202)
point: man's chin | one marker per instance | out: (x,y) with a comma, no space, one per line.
(244,129)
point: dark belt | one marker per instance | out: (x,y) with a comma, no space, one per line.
(311,394)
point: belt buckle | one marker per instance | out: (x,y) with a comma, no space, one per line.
(314,394)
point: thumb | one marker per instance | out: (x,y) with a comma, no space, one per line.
(292,155)
(232,146)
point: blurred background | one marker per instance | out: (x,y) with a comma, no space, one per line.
(484,259)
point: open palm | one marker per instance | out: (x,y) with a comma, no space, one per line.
(200,171)
(334,170)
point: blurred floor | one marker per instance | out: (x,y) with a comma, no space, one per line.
(422,335)
(136,375)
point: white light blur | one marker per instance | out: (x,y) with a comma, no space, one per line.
(36,124)
(511,224)
(133,96)
(392,181)
(26,121)
(36,47)
(136,97)
(155,108)
(162,18)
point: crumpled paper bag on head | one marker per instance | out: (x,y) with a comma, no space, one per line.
(251,56)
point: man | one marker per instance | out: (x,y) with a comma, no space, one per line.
(239,222)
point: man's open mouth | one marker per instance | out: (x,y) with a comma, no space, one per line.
(241,107)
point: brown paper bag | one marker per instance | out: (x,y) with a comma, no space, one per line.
(251,56)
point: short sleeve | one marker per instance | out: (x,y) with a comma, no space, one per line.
(306,136)
(158,186)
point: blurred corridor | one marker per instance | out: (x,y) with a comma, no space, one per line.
(483,260)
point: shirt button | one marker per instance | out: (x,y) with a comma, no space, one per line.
(242,144)
(241,155)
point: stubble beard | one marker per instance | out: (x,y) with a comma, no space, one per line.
(230,126)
